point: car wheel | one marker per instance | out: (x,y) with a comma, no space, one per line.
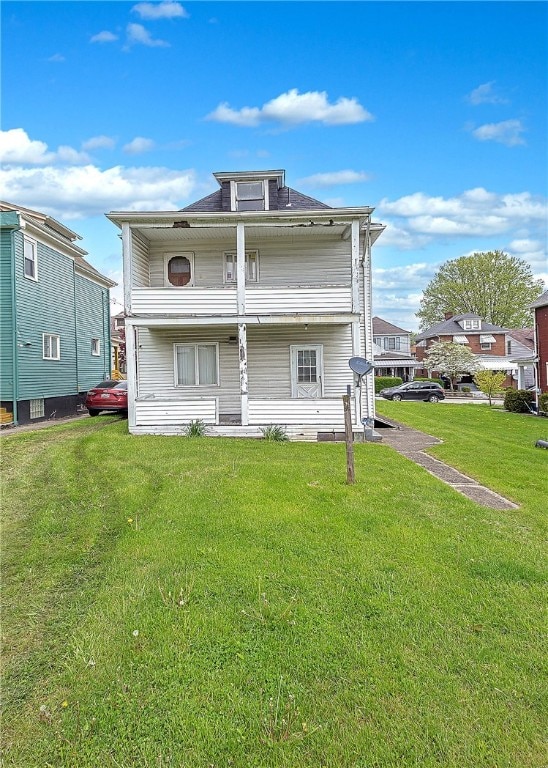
(433,399)
(93,412)
(397,398)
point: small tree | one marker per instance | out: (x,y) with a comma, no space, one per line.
(489,382)
(452,359)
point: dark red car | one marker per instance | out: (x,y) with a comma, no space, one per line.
(109,395)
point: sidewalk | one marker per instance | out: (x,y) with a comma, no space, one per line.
(15,430)
(412,444)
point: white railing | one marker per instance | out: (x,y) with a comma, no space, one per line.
(307,411)
(166,412)
(281,300)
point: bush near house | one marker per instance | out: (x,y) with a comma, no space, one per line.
(383,382)
(543,402)
(518,400)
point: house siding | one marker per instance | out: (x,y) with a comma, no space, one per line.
(45,306)
(92,321)
(6,316)
(541,320)
(140,262)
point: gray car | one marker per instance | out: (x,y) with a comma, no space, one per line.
(428,391)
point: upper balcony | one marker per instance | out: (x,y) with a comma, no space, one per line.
(288,301)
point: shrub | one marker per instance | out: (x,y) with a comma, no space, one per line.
(383,382)
(543,402)
(517,400)
(196,428)
(465,389)
(275,432)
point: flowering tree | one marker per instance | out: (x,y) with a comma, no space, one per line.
(489,382)
(451,359)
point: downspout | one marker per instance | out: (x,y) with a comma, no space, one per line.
(14,328)
(75,329)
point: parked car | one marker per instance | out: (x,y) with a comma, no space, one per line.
(415,390)
(109,395)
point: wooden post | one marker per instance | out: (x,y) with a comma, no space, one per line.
(350,477)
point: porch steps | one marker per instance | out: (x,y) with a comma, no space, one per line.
(5,416)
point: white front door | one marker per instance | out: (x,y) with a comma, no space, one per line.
(306,370)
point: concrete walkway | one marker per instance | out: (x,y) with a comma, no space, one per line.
(412,444)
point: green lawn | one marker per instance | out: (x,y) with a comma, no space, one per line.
(208,603)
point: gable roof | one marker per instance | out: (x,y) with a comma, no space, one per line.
(451,327)
(383,328)
(525,336)
(542,301)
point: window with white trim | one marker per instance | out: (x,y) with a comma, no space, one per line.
(485,345)
(196,365)
(250,196)
(251,267)
(51,347)
(508,347)
(37,408)
(96,347)
(30,259)
(471,325)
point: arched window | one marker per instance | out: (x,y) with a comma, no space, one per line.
(179,270)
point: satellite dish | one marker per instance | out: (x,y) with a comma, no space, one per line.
(360,365)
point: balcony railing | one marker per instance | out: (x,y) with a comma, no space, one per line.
(282,300)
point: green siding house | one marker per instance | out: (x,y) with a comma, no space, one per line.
(54,318)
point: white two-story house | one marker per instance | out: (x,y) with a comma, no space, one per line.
(244,308)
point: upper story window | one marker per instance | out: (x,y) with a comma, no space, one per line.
(96,347)
(388,342)
(250,196)
(178,267)
(30,259)
(51,348)
(508,347)
(473,324)
(251,267)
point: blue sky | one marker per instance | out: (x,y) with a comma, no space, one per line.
(434,113)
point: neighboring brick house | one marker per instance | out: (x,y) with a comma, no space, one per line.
(392,350)
(540,307)
(490,343)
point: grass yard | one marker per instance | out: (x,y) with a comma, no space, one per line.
(213,603)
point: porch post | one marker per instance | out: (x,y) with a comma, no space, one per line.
(242,327)
(131,363)
(355,265)
(356,353)
(127,267)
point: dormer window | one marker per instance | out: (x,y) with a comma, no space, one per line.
(250,196)
(473,324)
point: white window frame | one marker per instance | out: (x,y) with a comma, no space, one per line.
(486,345)
(233,256)
(234,194)
(36,408)
(51,336)
(471,325)
(173,255)
(196,365)
(27,241)
(96,347)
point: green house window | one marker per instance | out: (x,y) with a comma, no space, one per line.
(51,346)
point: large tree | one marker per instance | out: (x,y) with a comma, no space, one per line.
(451,359)
(493,285)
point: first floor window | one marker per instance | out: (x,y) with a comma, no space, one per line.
(37,408)
(196,365)
(251,267)
(30,259)
(51,347)
(96,347)
(486,345)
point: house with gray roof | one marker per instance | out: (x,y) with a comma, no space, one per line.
(243,309)
(392,350)
(495,347)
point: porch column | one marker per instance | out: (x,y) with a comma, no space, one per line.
(369,393)
(131,362)
(356,353)
(355,265)
(242,327)
(127,267)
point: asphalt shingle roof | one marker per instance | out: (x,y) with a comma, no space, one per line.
(451,328)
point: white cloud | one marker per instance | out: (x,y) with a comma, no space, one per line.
(408,276)
(507,132)
(475,212)
(294,108)
(57,57)
(334,178)
(81,191)
(16,147)
(98,142)
(167,9)
(104,37)
(138,145)
(485,94)
(138,35)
